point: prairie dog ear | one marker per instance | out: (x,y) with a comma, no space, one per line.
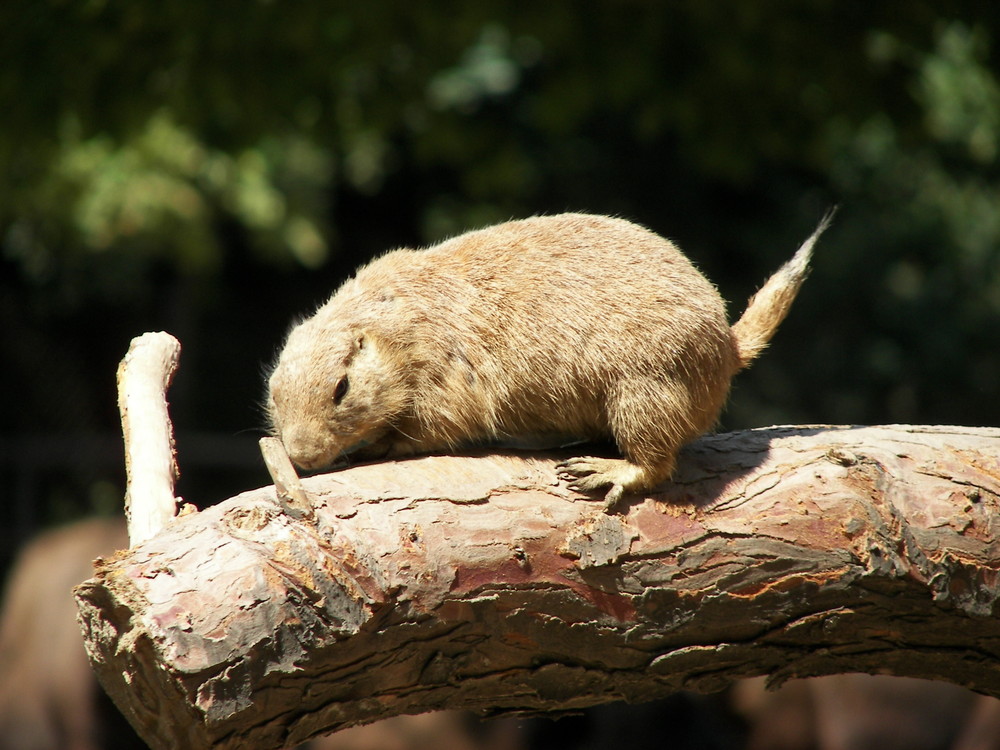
(367,342)
(359,343)
(366,348)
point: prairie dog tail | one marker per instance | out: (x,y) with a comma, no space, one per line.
(769,306)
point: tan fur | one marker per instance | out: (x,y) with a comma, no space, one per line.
(769,306)
(551,328)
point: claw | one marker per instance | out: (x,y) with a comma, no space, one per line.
(587,474)
(575,467)
(612,498)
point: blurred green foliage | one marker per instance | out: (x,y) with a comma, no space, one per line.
(215,169)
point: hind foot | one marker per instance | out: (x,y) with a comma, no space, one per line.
(587,474)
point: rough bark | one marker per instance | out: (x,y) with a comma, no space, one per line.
(481,583)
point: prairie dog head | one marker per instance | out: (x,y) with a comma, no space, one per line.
(333,392)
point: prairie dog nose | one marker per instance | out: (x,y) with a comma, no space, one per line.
(303,449)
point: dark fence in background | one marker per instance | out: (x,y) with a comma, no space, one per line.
(50,479)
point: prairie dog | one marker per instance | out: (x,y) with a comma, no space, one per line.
(568,326)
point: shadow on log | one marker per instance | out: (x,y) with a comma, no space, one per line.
(481,583)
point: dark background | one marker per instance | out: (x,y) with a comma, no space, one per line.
(215,169)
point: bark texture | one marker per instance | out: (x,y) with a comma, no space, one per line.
(482,583)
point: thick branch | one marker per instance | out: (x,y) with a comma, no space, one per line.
(481,583)
(143,378)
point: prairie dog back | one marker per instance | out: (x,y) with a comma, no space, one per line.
(568,326)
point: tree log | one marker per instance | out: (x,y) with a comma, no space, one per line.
(480,582)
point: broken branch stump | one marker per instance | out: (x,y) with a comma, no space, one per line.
(482,583)
(144,376)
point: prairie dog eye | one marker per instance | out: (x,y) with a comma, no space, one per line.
(340,390)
